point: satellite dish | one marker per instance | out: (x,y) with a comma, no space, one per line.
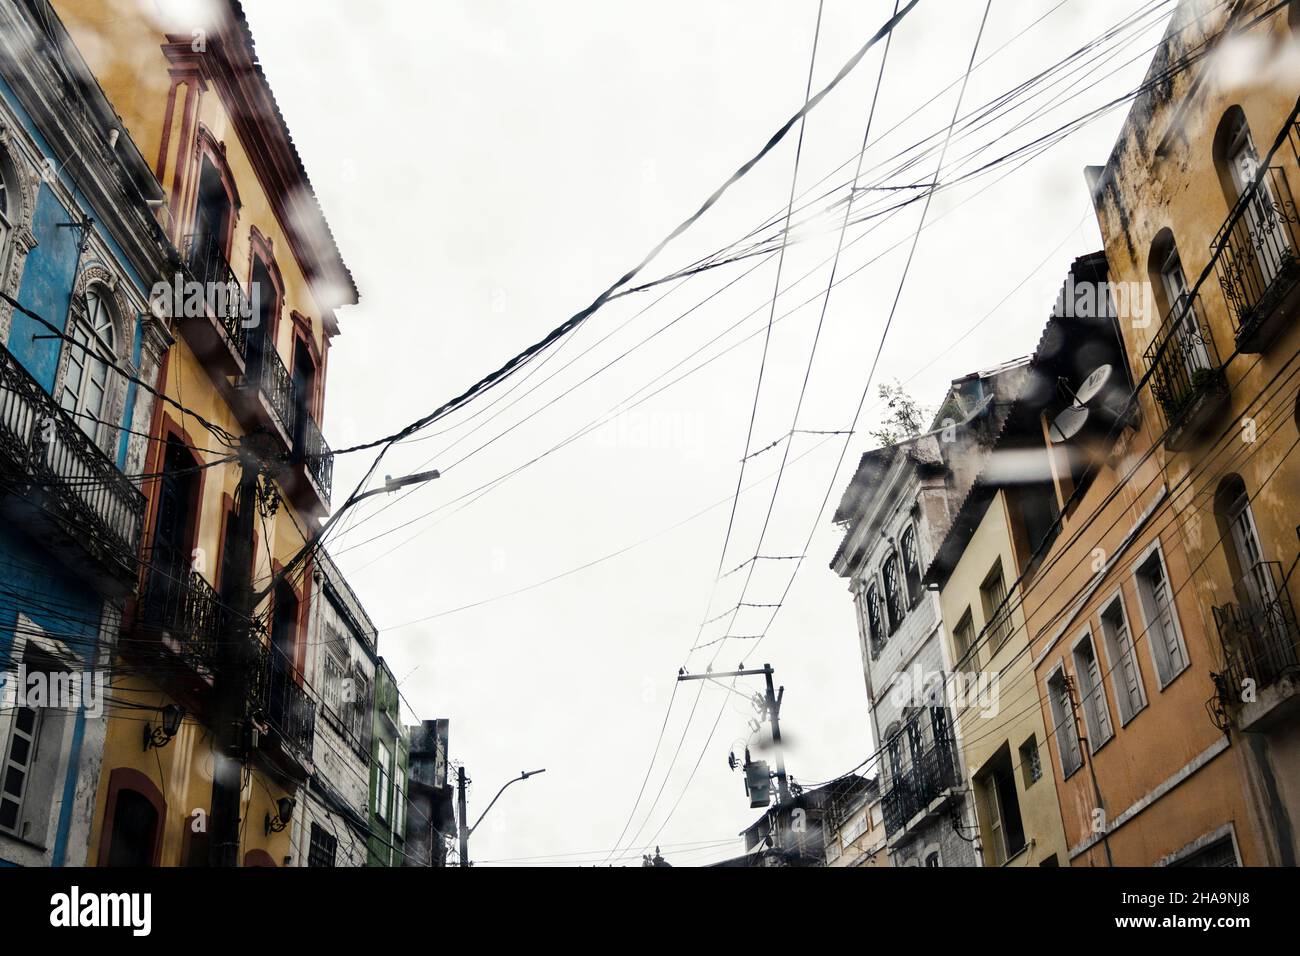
(1093,384)
(1068,424)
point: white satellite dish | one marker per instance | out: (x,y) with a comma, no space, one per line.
(1093,384)
(1068,424)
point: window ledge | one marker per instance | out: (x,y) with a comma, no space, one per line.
(1015,856)
(1173,677)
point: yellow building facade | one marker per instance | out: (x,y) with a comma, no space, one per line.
(241,214)
(1162,626)
(1002,741)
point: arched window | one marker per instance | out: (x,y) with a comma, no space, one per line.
(1186,351)
(1258,245)
(893,592)
(911,566)
(92,349)
(8,202)
(875,623)
(1255,585)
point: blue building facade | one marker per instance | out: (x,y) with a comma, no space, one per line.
(79,252)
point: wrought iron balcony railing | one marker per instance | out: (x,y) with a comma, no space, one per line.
(276,385)
(933,771)
(1255,252)
(75,482)
(1259,633)
(1184,361)
(186,608)
(284,703)
(315,454)
(227,303)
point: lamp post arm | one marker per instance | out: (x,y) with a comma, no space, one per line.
(523,776)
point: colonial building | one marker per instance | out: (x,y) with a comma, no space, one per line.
(430,819)
(79,252)
(246,356)
(793,833)
(332,824)
(893,513)
(991,547)
(1162,626)
(854,825)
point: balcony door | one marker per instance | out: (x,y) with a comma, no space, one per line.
(261,335)
(169,557)
(212,218)
(1259,593)
(1267,238)
(304,387)
(1188,339)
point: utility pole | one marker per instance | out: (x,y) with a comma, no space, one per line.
(460,815)
(1083,753)
(774,716)
(772,702)
(467,831)
(229,683)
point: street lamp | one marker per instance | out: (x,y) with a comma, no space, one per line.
(390,485)
(464,833)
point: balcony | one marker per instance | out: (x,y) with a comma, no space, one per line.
(1187,378)
(282,705)
(311,475)
(66,490)
(179,625)
(1255,258)
(219,337)
(931,778)
(264,398)
(1261,644)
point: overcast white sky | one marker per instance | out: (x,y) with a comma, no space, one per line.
(488,167)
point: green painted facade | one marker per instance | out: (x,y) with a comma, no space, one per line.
(390,760)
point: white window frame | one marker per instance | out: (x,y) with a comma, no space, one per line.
(966,660)
(90,356)
(38,846)
(383,773)
(399,810)
(1068,728)
(9,199)
(1156,549)
(1110,643)
(335,669)
(1096,738)
(997,613)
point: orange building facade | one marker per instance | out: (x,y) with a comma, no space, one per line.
(1163,634)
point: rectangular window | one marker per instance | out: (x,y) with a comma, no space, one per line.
(323,847)
(993,595)
(1092,693)
(1163,634)
(34,744)
(361,708)
(1220,853)
(996,786)
(399,811)
(1067,739)
(964,639)
(1031,763)
(383,770)
(20,756)
(332,689)
(1126,679)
